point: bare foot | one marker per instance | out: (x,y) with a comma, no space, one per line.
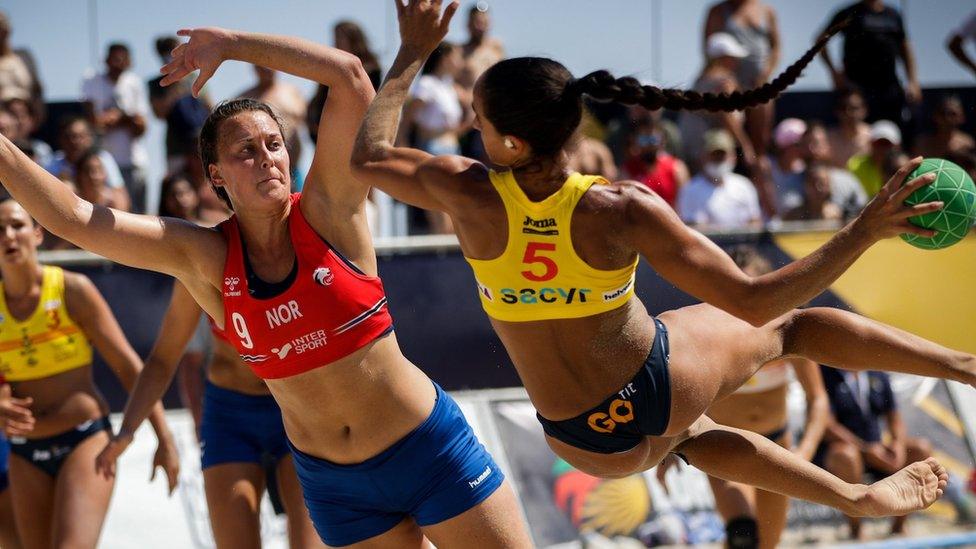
(912,489)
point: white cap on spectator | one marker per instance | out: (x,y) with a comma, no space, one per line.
(719,140)
(789,132)
(887,130)
(723,44)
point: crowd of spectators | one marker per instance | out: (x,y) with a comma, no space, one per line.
(718,170)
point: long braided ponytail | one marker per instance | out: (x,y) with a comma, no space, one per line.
(538,100)
(602,86)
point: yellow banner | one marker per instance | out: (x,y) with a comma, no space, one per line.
(929,293)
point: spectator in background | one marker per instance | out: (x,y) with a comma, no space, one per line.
(957,42)
(175,105)
(480,51)
(91,182)
(9,125)
(178,198)
(77,138)
(23,110)
(18,75)
(948,137)
(592,157)
(845,190)
(874,42)
(718,76)
(619,132)
(788,165)
(212,210)
(117,99)
(852,136)
(435,107)
(853,446)
(965,161)
(349,37)
(288,101)
(650,164)
(436,112)
(871,168)
(753,24)
(717,197)
(816,203)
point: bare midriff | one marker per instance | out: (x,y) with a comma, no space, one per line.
(352,409)
(227,371)
(568,366)
(62,401)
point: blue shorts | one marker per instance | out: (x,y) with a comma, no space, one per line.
(436,472)
(240,428)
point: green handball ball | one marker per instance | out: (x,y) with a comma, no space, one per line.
(955,189)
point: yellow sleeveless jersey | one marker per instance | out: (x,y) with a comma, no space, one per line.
(539,276)
(48,342)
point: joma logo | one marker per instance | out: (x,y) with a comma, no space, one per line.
(544,227)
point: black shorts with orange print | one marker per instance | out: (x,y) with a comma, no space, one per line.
(641,408)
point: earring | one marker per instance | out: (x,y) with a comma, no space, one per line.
(509,143)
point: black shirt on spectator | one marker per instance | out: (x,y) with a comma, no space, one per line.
(872,45)
(861,416)
(184,120)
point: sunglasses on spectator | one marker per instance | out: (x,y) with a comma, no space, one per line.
(648,140)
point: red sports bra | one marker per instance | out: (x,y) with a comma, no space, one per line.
(330,310)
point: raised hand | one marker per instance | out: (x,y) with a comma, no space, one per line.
(205,51)
(15,413)
(887,215)
(422,26)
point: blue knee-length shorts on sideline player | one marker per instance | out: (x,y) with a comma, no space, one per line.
(436,472)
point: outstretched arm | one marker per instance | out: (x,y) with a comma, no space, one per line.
(409,175)
(699,267)
(178,326)
(88,308)
(166,245)
(349,94)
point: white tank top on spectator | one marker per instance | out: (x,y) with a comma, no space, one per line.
(767,378)
(442,108)
(129,95)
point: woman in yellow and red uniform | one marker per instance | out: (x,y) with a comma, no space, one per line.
(56,419)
